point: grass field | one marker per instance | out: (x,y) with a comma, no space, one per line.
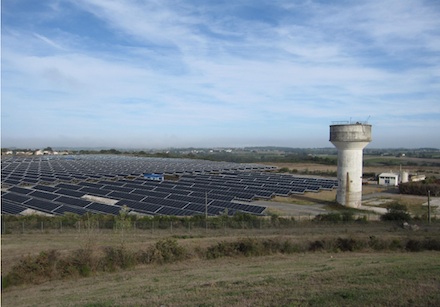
(330,278)
(319,279)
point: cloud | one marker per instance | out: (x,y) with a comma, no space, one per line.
(176,71)
(49,41)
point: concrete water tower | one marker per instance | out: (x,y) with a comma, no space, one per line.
(350,140)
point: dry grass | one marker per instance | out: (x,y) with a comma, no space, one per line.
(413,203)
(320,278)
(310,167)
(379,279)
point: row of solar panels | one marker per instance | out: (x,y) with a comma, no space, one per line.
(146,199)
(106,164)
(188,196)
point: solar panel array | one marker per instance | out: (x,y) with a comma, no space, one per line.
(103,184)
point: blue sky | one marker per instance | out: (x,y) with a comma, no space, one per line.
(170,73)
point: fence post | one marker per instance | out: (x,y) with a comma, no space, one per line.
(22,227)
(171,226)
(42,226)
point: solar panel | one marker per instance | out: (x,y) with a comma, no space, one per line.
(122,195)
(20,190)
(68,186)
(175,211)
(105,209)
(117,188)
(73,201)
(95,191)
(150,193)
(43,205)
(45,195)
(66,209)
(72,193)
(17,198)
(45,188)
(11,208)
(140,206)
(166,202)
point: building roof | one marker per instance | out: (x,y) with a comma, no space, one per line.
(388,175)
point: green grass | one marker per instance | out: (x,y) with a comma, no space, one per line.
(316,279)
(372,275)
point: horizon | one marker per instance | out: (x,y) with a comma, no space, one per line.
(134,149)
(181,74)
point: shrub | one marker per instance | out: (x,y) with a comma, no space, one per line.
(414,245)
(396,212)
(117,257)
(167,250)
(349,244)
(431,244)
(33,269)
(347,216)
(377,244)
(81,263)
(330,217)
(316,245)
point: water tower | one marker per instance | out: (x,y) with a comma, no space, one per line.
(350,140)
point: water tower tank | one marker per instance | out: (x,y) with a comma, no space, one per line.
(350,140)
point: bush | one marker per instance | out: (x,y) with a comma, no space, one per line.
(348,244)
(33,269)
(81,263)
(421,188)
(377,244)
(336,217)
(317,245)
(330,217)
(396,212)
(117,257)
(167,250)
(414,245)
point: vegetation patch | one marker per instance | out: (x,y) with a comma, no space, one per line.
(431,184)
(50,265)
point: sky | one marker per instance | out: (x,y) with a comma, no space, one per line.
(194,73)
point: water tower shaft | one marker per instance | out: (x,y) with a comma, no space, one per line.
(350,140)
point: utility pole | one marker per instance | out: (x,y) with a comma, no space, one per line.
(206,205)
(206,211)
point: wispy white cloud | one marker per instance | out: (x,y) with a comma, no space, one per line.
(181,66)
(49,41)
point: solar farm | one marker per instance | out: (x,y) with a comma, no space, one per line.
(104,184)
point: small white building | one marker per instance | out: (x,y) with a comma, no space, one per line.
(388,179)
